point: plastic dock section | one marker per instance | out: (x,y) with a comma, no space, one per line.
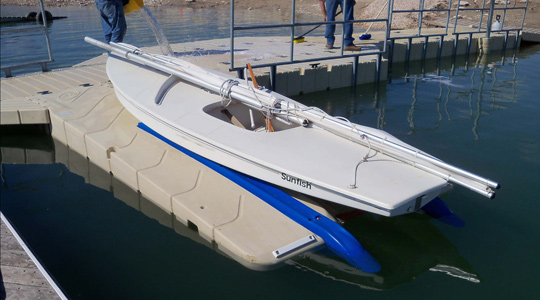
(258,234)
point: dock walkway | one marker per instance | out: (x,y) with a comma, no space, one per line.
(20,276)
(528,34)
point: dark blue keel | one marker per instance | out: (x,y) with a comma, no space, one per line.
(437,209)
(338,240)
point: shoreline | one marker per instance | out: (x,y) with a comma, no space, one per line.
(365,9)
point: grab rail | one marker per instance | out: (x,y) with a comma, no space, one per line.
(291,59)
(43,63)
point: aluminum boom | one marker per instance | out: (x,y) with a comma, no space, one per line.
(264,101)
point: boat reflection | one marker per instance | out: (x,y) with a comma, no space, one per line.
(406,246)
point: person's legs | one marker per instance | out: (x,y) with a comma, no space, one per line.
(106,10)
(331,8)
(349,16)
(120,25)
(113,20)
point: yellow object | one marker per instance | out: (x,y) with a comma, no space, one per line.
(133,5)
(298,40)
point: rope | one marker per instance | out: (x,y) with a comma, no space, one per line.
(225,91)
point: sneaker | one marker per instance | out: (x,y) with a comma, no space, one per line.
(352,48)
(329,46)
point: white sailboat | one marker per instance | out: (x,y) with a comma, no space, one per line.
(273,138)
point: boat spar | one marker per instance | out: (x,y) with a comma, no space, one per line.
(273,138)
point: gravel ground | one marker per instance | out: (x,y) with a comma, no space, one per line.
(364,9)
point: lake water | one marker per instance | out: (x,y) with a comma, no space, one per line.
(100,240)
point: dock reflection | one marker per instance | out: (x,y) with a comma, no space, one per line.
(406,246)
(426,96)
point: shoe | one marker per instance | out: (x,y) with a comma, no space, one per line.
(329,46)
(352,48)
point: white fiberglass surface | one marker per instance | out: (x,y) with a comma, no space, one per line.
(309,154)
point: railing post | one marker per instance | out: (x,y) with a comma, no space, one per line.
(293,21)
(232,38)
(8,72)
(44,67)
(44,18)
(490,19)
(420,16)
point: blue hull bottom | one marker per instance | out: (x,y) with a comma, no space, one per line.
(337,239)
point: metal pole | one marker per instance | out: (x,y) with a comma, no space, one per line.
(389,16)
(524,13)
(232,36)
(8,72)
(420,16)
(293,17)
(448,16)
(490,19)
(44,18)
(481,16)
(456,17)
(504,14)
(344,8)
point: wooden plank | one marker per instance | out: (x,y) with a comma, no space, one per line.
(20,276)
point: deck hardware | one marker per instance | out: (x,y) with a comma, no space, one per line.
(225,91)
(301,243)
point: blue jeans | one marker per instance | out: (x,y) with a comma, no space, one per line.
(331,8)
(113,20)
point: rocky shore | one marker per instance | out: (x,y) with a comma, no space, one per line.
(364,9)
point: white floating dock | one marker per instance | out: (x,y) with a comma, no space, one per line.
(90,121)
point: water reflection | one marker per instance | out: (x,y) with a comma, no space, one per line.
(406,246)
(96,176)
(435,98)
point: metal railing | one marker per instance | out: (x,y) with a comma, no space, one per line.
(487,29)
(43,63)
(291,59)
(421,10)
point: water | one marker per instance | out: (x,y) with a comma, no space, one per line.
(178,26)
(100,240)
